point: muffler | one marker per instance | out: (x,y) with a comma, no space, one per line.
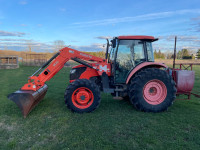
(27,100)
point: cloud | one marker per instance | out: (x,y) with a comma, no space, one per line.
(39,25)
(21,40)
(151,16)
(104,37)
(23,44)
(90,48)
(197,27)
(166,43)
(23,2)
(196,18)
(62,9)
(189,38)
(182,38)
(195,24)
(23,25)
(1,16)
(74,41)
(6,33)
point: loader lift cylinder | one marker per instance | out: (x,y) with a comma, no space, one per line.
(44,65)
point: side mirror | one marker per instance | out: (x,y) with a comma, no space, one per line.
(113,43)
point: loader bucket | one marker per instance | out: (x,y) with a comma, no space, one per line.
(27,100)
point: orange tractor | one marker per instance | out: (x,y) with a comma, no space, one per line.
(128,70)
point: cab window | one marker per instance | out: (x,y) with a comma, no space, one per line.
(149,51)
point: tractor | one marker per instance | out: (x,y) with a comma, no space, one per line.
(128,71)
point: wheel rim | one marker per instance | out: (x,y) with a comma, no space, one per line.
(154,92)
(82,98)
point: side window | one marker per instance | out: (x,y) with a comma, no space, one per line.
(149,51)
(139,51)
(124,57)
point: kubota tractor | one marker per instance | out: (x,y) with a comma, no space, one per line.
(128,70)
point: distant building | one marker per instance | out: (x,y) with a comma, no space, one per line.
(9,62)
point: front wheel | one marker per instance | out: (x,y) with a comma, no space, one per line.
(152,90)
(82,95)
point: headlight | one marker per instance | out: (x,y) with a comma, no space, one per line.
(73,71)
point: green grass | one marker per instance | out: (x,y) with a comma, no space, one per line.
(114,125)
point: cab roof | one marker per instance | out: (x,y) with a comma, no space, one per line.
(137,37)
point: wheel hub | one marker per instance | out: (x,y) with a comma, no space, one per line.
(154,92)
(82,98)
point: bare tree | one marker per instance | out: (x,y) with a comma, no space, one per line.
(29,46)
(58,44)
(168,55)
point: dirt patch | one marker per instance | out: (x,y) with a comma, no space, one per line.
(6,126)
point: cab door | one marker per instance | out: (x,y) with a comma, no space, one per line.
(129,54)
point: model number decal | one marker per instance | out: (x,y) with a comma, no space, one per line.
(85,55)
(55,63)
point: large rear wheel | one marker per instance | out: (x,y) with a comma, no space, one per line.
(82,95)
(152,90)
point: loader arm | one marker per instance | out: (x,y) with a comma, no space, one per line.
(34,91)
(56,63)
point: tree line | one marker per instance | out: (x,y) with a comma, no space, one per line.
(59,44)
(181,54)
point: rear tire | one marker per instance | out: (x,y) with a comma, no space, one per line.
(152,90)
(82,95)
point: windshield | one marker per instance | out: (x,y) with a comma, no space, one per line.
(130,53)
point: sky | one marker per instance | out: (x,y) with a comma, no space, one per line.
(85,24)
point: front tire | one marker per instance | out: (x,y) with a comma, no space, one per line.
(152,90)
(82,95)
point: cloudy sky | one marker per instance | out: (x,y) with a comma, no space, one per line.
(84,24)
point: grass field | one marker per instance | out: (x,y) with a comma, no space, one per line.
(114,125)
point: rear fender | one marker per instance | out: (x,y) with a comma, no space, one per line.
(144,65)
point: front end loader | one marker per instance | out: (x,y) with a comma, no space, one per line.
(128,71)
